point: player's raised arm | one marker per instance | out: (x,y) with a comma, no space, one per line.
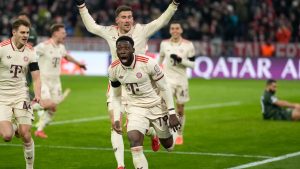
(161,54)
(71,59)
(161,21)
(88,20)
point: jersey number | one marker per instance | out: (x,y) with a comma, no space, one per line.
(26,105)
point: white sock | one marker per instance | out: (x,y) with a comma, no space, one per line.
(14,125)
(151,132)
(29,154)
(182,122)
(37,106)
(118,147)
(45,119)
(40,113)
(138,157)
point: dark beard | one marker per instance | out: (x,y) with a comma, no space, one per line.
(272,91)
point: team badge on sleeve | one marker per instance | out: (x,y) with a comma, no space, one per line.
(139,75)
(26,58)
(157,70)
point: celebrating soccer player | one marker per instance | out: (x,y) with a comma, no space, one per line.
(137,73)
(50,54)
(179,54)
(140,34)
(16,58)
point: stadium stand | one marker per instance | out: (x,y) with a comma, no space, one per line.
(225,24)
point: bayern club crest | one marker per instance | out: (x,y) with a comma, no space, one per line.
(26,58)
(139,75)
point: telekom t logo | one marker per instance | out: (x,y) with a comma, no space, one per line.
(15,69)
(55,61)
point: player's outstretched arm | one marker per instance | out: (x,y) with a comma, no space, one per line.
(71,59)
(88,20)
(161,21)
(284,103)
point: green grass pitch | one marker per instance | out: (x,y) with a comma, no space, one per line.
(223,129)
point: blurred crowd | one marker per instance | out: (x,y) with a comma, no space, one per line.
(206,20)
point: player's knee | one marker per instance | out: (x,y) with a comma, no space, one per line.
(170,148)
(26,135)
(136,138)
(168,143)
(137,149)
(135,143)
(7,137)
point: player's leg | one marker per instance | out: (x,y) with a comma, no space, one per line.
(44,119)
(136,139)
(6,128)
(155,144)
(51,91)
(43,115)
(296,113)
(182,96)
(116,140)
(181,118)
(136,129)
(163,132)
(25,118)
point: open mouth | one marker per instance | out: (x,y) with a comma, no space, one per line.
(123,58)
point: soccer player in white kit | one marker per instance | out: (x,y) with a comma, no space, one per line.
(140,34)
(16,58)
(50,53)
(137,73)
(179,54)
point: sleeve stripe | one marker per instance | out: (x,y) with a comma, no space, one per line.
(159,78)
(146,61)
(115,63)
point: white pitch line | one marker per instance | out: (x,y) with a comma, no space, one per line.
(267,161)
(82,120)
(79,120)
(148,151)
(215,105)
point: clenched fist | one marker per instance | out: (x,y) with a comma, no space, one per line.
(79,2)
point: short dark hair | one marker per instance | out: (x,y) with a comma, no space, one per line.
(56,27)
(176,22)
(270,81)
(125,38)
(18,22)
(121,9)
(23,13)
